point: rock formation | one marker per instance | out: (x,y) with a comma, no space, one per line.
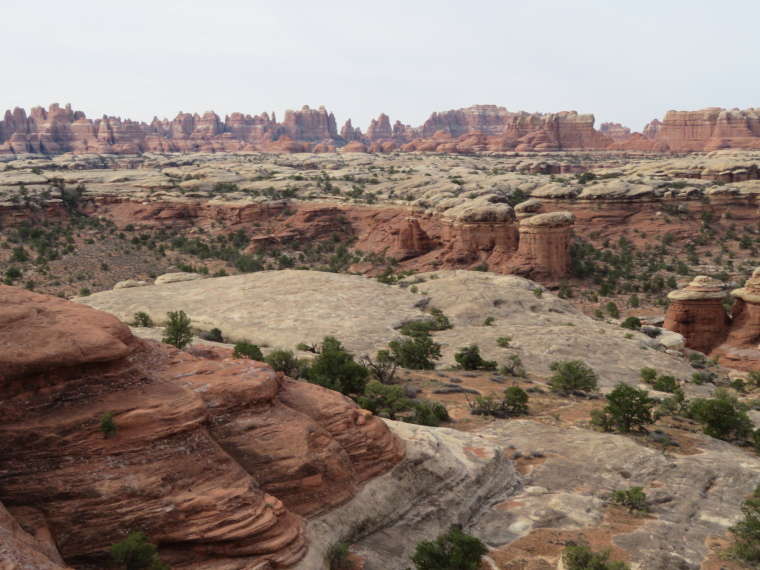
(705,130)
(615,131)
(474,129)
(544,249)
(236,452)
(697,312)
(742,343)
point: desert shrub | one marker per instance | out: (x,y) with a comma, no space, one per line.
(675,404)
(628,407)
(384,400)
(107,424)
(746,532)
(177,331)
(136,553)
(571,375)
(516,400)
(84,292)
(648,375)
(339,557)
(583,558)
(513,367)
(503,341)
(427,413)
(469,358)
(489,321)
(247,350)
(722,416)
(285,361)
(453,550)
(538,293)
(632,323)
(13,273)
(754,377)
(383,367)
(612,310)
(416,353)
(665,383)
(141,319)
(214,335)
(335,368)
(634,499)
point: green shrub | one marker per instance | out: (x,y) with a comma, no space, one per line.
(503,341)
(722,416)
(754,377)
(469,358)
(634,499)
(214,335)
(142,319)
(516,400)
(665,383)
(284,361)
(13,273)
(384,400)
(489,322)
(746,532)
(538,293)
(416,353)
(513,367)
(454,550)
(648,375)
(582,558)
(177,331)
(632,323)
(339,557)
(335,368)
(571,375)
(247,350)
(628,407)
(427,413)
(612,310)
(136,553)
(107,424)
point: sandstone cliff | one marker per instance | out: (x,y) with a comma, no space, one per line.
(214,459)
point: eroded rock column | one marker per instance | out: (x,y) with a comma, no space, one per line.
(745,315)
(697,313)
(544,250)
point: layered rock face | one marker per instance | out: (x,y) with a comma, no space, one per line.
(214,459)
(697,313)
(544,249)
(705,130)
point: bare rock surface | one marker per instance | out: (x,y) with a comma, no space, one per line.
(277,308)
(691,497)
(447,477)
(287,307)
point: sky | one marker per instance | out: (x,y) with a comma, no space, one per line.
(626,62)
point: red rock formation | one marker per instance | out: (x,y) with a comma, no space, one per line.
(200,449)
(705,130)
(355,146)
(380,130)
(696,312)
(615,131)
(651,129)
(544,250)
(742,345)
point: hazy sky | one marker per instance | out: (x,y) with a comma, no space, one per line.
(625,62)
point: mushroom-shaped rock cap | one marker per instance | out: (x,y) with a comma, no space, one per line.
(529,206)
(549,220)
(702,287)
(751,290)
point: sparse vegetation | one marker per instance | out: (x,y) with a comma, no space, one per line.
(571,376)
(177,331)
(453,550)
